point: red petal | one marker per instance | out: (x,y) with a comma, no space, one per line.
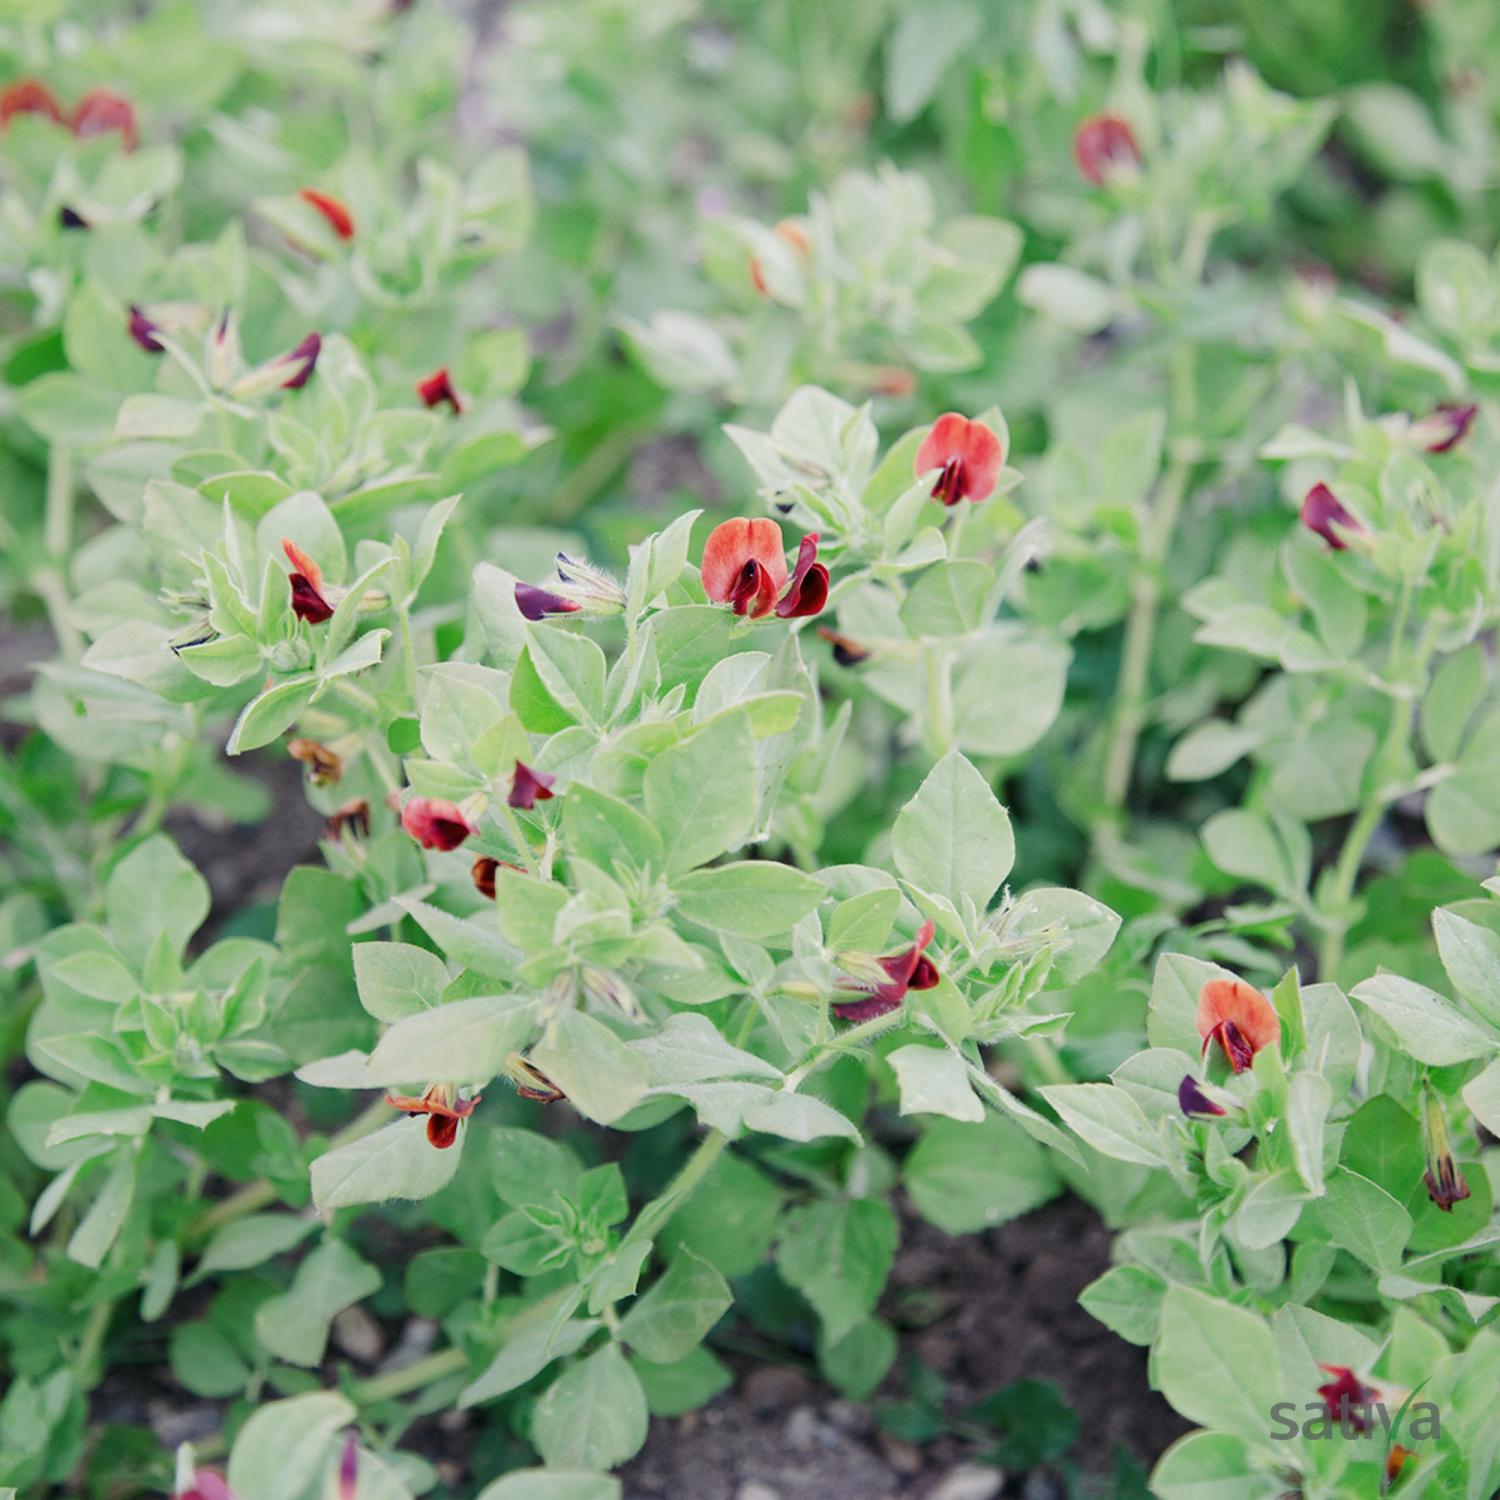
(975,451)
(807,593)
(738,541)
(28,96)
(437,388)
(435,823)
(303,563)
(1253,1016)
(529,787)
(339,218)
(103,110)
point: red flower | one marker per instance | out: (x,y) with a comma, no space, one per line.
(846,653)
(144,331)
(1102,145)
(437,388)
(1196,1104)
(529,787)
(744,566)
(443,1108)
(884,981)
(537,603)
(103,110)
(1347,1398)
(807,592)
(1240,1019)
(1445,426)
(308,600)
(435,823)
(1325,516)
(340,220)
(967,457)
(28,96)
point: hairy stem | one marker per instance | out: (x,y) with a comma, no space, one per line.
(50,584)
(1140,635)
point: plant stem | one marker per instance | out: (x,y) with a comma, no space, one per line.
(650,1221)
(408,653)
(1340,892)
(1140,633)
(50,584)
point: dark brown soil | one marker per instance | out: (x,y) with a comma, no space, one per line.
(1002,1307)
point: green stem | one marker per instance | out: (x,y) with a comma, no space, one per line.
(408,653)
(50,584)
(940,728)
(1340,892)
(654,1216)
(1140,633)
(92,1341)
(590,476)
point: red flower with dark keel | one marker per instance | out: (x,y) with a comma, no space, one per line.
(882,983)
(1445,1183)
(744,566)
(437,388)
(1239,1018)
(306,578)
(529,787)
(1325,515)
(966,455)
(1103,147)
(436,823)
(443,1108)
(340,220)
(1194,1101)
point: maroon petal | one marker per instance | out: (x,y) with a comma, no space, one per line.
(435,823)
(807,592)
(301,361)
(144,331)
(537,603)
(1194,1103)
(1237,1051)
(530,787)
(437,388)
(881,1003)
(307,603)
(1453,422)
(349,1460)
(1325,516)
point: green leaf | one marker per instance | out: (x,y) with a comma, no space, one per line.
(294,1325)
(1457,686)
(689,1049)
(1217,1364)
(593,1416)
(271,713)
(283,1446)
(926,42)
(1127,1300)
(397,1161)
(397,980)
(947,601)
(1109,1120)
(934,1081)
(251,1241)
(572,669)
(701,794)
(533,1339)
(858,1362)
(838,1253)
(953,838)
(1426,1024)
(673,1317)
(154,890)
(965,1178)
(101,1225)
(685,1384)
(602,1077)
(464,1042)
(730,1219)
(538,1484)
(751,898)
(1363,1219)
(609,832)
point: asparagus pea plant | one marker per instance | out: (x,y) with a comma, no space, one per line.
(916,812)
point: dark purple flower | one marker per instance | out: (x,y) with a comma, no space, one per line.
(537,603)
(438,388)
(1347,1398)
(144,331)
(807,592)
(1446,425)
(306,579)
(1194,1103)
(349,1459)
(846,652)
(1445,1183)
(1325,516)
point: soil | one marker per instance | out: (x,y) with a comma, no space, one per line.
(1002,1308)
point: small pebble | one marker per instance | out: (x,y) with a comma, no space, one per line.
(1041,1485)
(753,1489)
(801,1430)
(358,1335)
(969,1482)
(773,1388)
(904,1458)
